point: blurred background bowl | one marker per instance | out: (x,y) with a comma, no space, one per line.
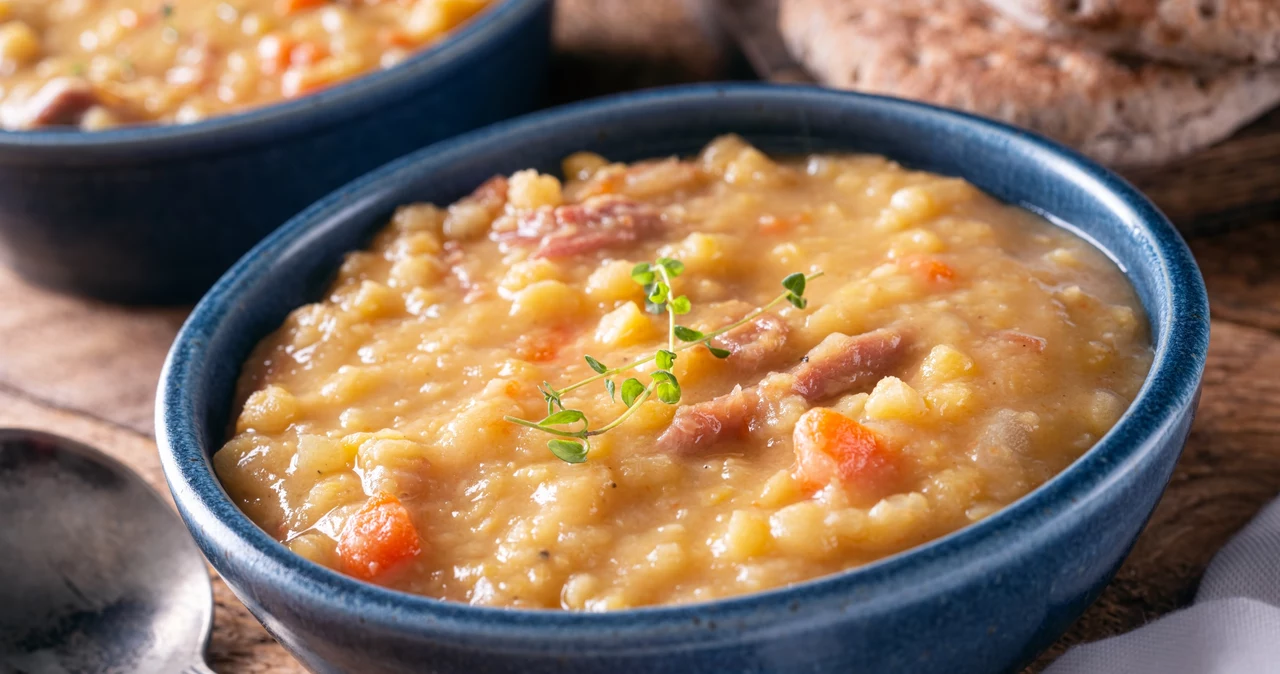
(153,214)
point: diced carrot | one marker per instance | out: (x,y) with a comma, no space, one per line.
(541,347)
(608,184)
(1022,339)
(274,52)
(287,7)
(307,53)
(300,80)
(394,37)
(277,53)
(377,538)
(830,446)
(772,224)
(930,269)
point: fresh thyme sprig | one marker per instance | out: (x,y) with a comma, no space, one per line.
(573,444)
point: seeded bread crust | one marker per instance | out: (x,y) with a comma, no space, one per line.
(962,54)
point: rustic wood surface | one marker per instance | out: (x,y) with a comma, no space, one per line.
(88,370)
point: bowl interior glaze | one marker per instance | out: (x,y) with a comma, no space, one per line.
(293,266)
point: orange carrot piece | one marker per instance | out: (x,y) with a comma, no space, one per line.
(287,7)
(377,538)
(307,53)
(536,349)
(930,269)
(830,446)
(397,38)
(542,347)
(294,82)
(772,224)
(609,184)
(274,52)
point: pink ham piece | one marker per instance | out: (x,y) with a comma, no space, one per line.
(838,364)
(595,224)
(491,194)
(755,343)
(697,427)
(639,181)
(1024,340)
(652,178)
(61,101)
(841,363)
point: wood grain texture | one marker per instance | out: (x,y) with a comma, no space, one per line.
(1243,268)
(88,371)
(1227,186)
(1228,471)
(83,355)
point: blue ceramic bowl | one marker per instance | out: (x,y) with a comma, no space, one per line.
(985,599)
(155,214)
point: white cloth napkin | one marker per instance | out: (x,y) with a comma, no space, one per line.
(1232,628)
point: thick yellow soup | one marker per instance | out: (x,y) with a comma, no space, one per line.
(102,63)
(756,371)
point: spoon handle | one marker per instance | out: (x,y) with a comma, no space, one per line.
(198,668)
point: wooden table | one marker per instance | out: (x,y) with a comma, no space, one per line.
(89,370)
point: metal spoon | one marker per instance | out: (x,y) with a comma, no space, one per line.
(97,574)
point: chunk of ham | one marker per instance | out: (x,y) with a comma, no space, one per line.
(61,101)
(640,180)
(1001,451)
(491,194)
(755,343)
(837,365)
(653,178)
(841,363)
(595,224)
(1031,343)
(697,427)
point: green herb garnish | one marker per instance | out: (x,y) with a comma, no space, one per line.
(572,444)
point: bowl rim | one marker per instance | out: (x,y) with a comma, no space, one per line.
(288,118)
(1164,401)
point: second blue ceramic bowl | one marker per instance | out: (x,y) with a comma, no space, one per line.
(155,214)
(985,599)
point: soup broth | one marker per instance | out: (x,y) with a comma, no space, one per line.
(947,354)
